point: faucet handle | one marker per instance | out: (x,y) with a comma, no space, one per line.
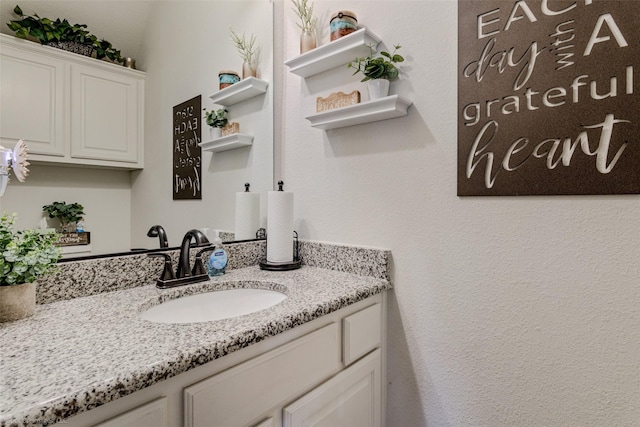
(198,266)
(167,272)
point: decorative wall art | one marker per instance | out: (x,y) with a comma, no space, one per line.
(548,97)
(187,154)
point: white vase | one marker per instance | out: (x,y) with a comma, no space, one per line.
(215,132)
(307,41)
(378,88)
(248,70)
(17,301)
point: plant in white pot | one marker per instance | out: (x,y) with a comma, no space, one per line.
(378,70)
(25,255)
(217,119)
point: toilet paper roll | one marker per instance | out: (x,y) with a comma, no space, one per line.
(247,215)
(280,226)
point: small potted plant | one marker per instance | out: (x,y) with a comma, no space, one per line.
(25,256)
(63,35)
(67,214)
(246,49)
(217,119)
(304,11)
(378,70)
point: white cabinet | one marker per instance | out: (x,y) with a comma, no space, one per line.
(152,414)
(350,399)
(325,373)
(70,109)
(106,115)
(32,100)
(264,382)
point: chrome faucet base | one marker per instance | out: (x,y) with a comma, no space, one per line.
(172,283)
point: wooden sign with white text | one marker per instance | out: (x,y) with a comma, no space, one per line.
(548,97)
(187,154)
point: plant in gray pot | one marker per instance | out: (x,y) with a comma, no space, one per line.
(25,255)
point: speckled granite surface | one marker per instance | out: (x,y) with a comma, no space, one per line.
(90,277)
(94,276)
(51,371)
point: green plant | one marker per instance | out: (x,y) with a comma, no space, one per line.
(47,31)
(380,67)
(216,118)
(25,255)
(245,47)
(66,213)
(304,10)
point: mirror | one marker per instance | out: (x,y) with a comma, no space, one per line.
(181,46)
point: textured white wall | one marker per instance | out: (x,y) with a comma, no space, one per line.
(182,63)
(520,311)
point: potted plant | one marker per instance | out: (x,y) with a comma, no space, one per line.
(217,119)
(378,70)
(24,256)
(63,35)
(304,10)
(246,50)
(67,214)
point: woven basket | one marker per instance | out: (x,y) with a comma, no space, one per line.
(74,47)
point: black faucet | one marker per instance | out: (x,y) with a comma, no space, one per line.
(158,231)
(185,249)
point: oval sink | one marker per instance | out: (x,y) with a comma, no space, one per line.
(216,305)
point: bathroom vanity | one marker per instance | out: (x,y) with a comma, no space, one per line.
(318,354)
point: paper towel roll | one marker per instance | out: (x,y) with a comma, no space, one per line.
(280,226)
(247,215)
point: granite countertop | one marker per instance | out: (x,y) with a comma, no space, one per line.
(74,355)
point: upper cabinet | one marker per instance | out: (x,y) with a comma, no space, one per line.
(70,109)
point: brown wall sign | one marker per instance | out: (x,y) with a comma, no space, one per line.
(548,97)
(187,154)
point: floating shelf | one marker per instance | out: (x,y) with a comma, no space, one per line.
(334,54)
(388,107)
(241,91)
(229,142)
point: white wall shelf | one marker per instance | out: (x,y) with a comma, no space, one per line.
(229,142)
(334,54)
(241,91)
(388,107)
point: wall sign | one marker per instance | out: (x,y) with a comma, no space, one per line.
(548,97)
(187,154)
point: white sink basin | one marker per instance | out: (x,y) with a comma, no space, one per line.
(216,305)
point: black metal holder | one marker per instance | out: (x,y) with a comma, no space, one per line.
(285,266)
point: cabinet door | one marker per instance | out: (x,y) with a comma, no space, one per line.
(32,104)
(152,414)
(350,399)
(245,393)
(106,114)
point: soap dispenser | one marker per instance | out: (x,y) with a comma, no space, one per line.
(218,259)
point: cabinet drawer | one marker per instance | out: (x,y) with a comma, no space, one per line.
(152,414)
(263,382)
(362,332)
